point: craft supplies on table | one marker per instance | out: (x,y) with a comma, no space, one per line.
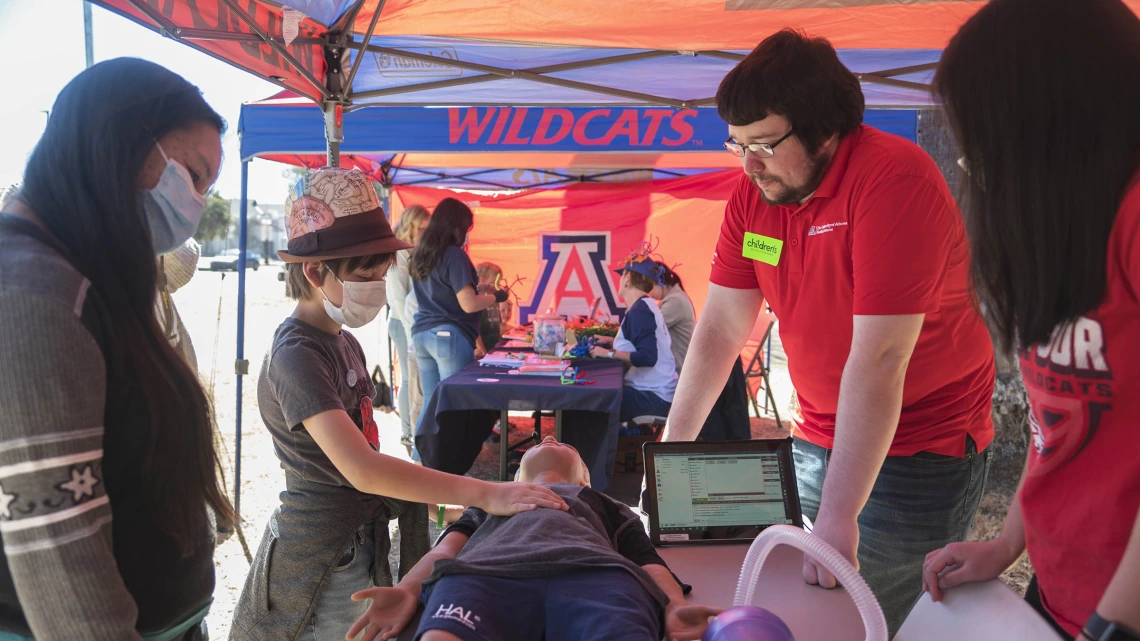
(549,333)
(521,333)
(504,359)
(539,366)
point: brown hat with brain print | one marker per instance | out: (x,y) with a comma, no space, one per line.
(335,213)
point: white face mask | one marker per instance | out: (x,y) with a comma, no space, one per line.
(360,302)
(174,207)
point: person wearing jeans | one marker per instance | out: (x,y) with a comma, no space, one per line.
(315,398)
(917,502)
(446,324)
(853,238)
(410,226)
(399,338)
(441,351)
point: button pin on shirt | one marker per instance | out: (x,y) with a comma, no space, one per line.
(351,378)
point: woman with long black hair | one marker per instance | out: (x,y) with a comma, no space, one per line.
(100,417)
(1044,96)
(444,280)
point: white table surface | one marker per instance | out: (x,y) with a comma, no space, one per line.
(810,611)
(979,612)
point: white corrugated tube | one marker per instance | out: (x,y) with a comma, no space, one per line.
(874,623)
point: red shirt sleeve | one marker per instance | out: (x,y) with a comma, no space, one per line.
(729,266)
(1124,240)
(905,231)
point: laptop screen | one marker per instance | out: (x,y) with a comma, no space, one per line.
(719,491)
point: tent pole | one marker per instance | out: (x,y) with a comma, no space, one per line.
(386,200)
(334,131)
(241,365)
(386,203)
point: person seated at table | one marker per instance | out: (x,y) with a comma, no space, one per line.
(589,574)
(677,310)
(642,343)
(491,318)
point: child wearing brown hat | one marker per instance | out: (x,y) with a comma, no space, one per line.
(329,537)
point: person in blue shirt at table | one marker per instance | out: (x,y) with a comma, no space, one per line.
(642,343)
(446,326)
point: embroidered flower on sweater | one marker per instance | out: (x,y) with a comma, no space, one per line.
(6,501)
(82,484)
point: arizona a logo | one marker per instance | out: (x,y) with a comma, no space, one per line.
(575,272)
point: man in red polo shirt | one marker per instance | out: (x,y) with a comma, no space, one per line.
(853,238)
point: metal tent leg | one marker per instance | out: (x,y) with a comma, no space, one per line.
(241,366)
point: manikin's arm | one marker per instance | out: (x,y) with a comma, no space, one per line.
(682,622)
(392,608)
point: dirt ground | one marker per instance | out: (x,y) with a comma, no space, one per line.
(208,307)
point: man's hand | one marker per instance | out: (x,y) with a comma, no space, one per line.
(387,615)
(687,622)
(598,351)
(608,341)
(506,499)
(960,563)
(842,533)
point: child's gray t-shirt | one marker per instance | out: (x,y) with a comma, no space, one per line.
(306,372)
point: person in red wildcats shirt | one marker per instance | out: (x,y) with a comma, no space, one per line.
(1053,210)
(853,238)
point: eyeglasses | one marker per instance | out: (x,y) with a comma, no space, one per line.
(758,149)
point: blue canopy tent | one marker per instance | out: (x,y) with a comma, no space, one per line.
(668,55)
(506,147)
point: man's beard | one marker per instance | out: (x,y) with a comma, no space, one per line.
(787,194)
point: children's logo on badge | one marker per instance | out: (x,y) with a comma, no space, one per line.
(762,248)
(351,378)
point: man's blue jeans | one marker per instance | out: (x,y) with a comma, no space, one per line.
(918,504)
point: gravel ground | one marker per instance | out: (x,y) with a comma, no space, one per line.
(210,296)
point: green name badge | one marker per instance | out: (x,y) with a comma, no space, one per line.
(762,248)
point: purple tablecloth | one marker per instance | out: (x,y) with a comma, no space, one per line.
(461,413)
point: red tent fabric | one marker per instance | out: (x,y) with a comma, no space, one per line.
(223,28)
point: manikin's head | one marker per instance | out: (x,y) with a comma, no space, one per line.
(552,462)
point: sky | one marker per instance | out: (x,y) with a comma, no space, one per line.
(48,36)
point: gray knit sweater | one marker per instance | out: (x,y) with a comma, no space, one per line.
(70,462)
